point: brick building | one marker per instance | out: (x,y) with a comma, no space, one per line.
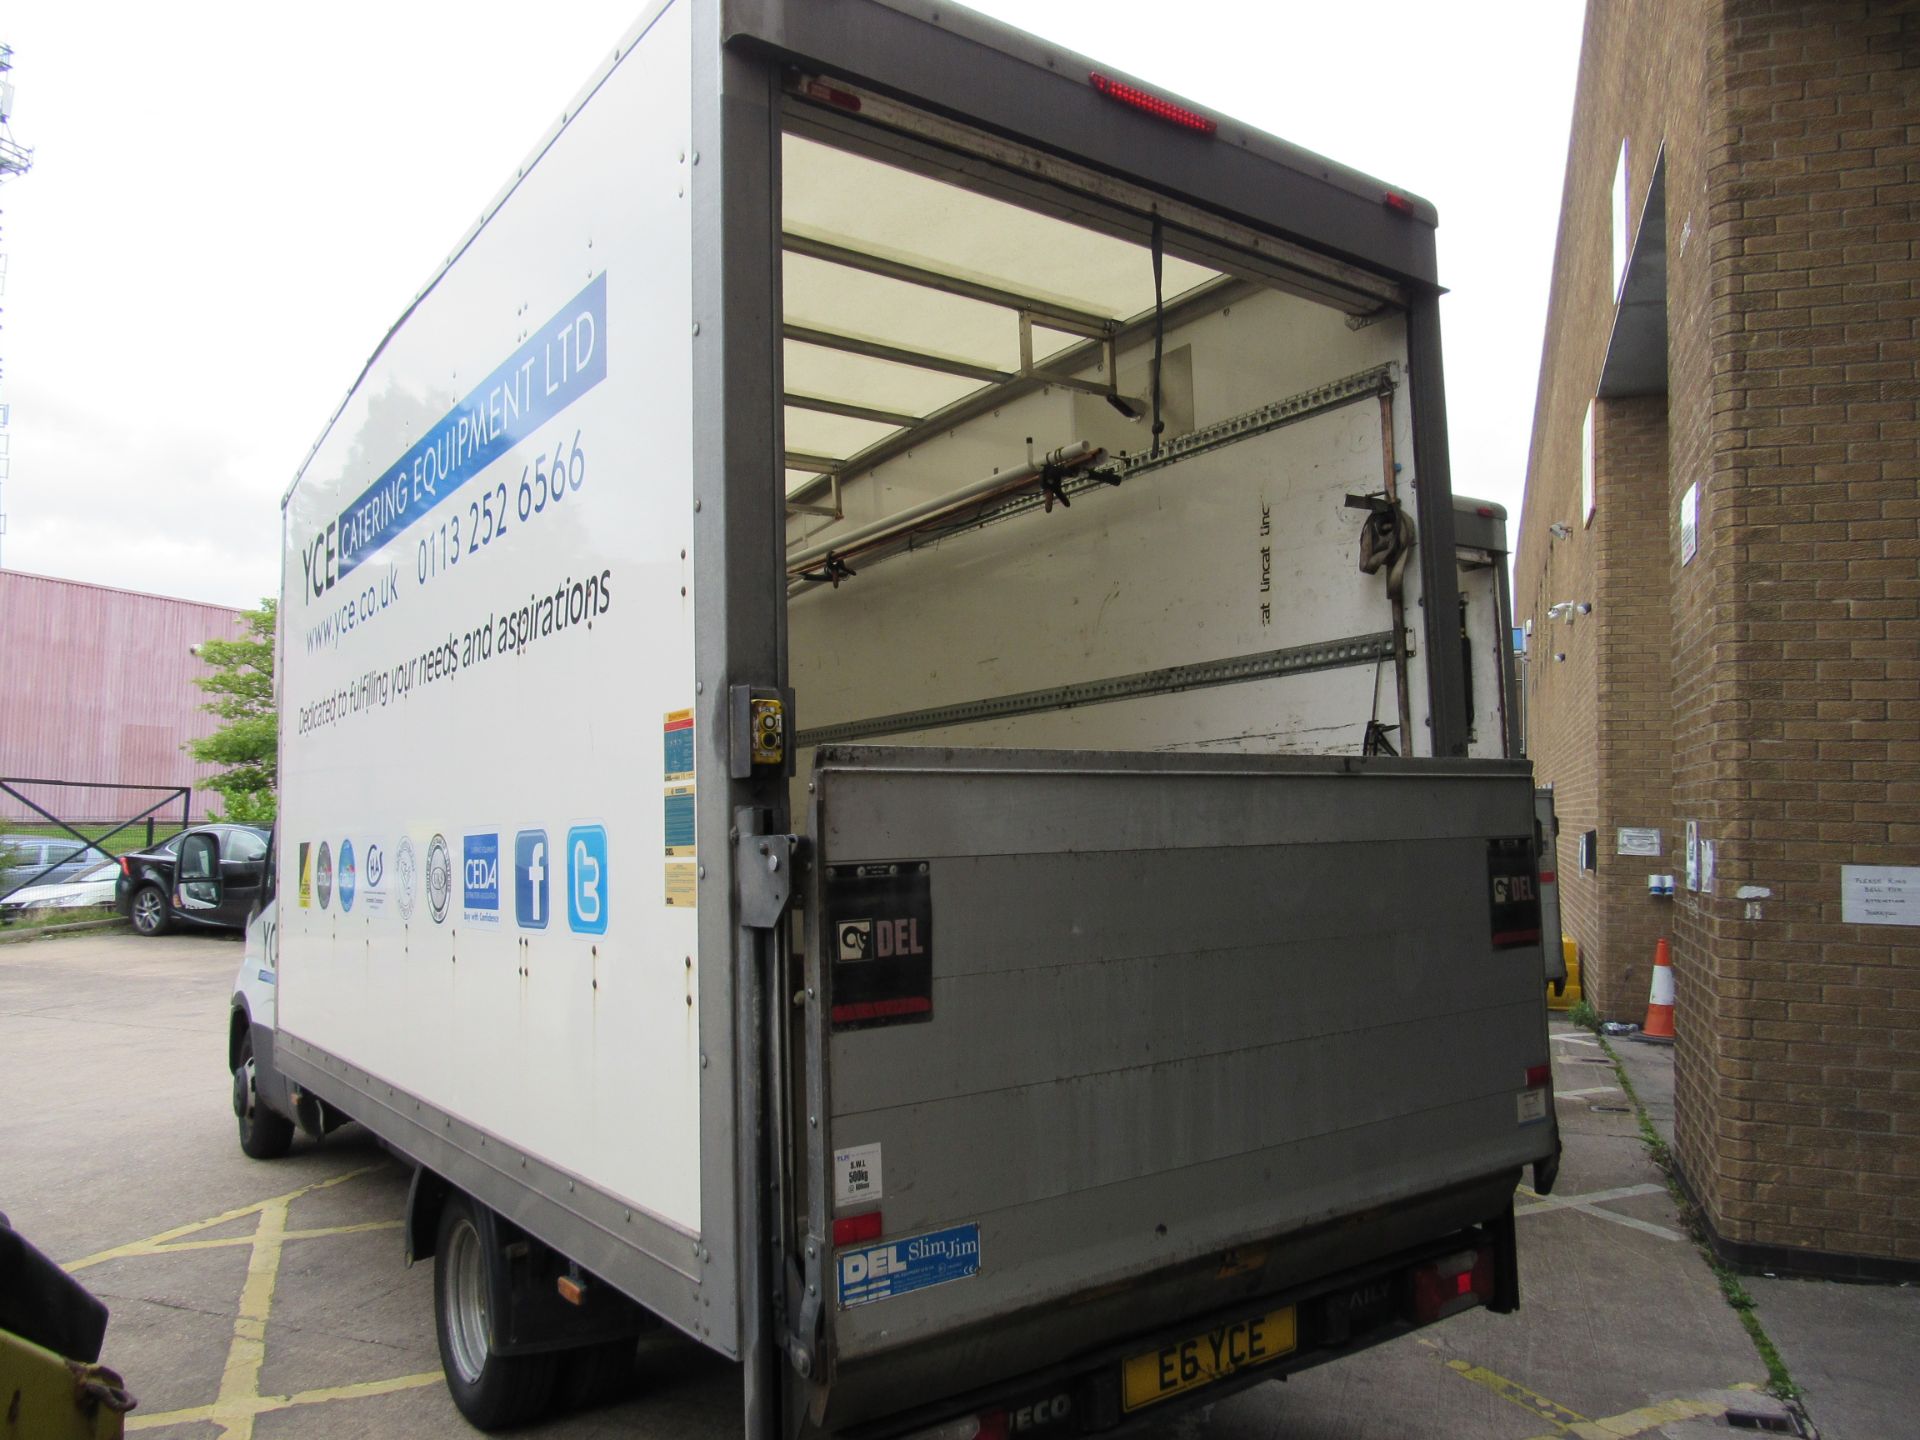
(1719,562)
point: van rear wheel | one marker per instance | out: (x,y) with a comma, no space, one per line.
(493,1391)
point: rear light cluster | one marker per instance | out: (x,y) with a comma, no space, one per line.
(1449,1285)
(833,95)
(1000,1424)
(990,1426)
(1148,103)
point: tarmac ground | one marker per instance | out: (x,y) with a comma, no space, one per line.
(267,1300)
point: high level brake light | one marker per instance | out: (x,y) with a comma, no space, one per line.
(1154,105)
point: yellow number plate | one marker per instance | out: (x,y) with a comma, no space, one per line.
(1205,1358)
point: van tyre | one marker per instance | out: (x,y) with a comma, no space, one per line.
(596,1375)
(265,1134)
(149,910)
(492,1391)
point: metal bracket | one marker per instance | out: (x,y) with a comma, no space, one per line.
(763,876)
(803,1339)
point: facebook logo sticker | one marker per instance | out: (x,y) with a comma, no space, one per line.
(530,879)
(587,879)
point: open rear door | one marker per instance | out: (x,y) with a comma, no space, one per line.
(1103,1041)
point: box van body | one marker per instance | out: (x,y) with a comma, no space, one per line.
(878,761)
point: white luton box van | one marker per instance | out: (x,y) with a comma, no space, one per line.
(882,757)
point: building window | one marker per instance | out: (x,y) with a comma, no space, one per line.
(1621,200)
(1586,467)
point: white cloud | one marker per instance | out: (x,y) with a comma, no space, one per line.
(232,202)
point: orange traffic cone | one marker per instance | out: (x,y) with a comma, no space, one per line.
(1659,1024)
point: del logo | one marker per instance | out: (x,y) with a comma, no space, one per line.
(480,878)
(877,1272)
(1517,889)
(879,939)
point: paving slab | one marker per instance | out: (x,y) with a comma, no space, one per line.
(119,1144)
(1850,1348)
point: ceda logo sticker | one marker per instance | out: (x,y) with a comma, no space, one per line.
(587,879)
(480,879)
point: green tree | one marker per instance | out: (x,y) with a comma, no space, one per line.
(247,744)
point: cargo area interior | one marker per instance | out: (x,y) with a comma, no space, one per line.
(986,542)
(989,546)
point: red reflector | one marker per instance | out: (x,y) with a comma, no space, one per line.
(852,1229)
(1538,1076)
(1398,202)
(827,94)
(126,869)
(1152,104)
(1485,512)
(1549,877)
(1463,1283)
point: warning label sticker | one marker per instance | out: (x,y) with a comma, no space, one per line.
(679,821)
(682,883)
(678,745)
(856,1175)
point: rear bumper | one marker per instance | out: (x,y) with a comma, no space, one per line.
(1334,1315)
(1084,1340)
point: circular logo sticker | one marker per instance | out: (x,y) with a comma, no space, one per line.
(323,874)
(348,879)
(439,877)
(406,872)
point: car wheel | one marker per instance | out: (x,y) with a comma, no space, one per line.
(150,915)
(265,1134)
(493,1391)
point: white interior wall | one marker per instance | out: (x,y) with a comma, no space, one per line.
(1165,570)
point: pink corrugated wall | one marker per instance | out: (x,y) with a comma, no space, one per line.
(97,684)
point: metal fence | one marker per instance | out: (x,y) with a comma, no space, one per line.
(70,826)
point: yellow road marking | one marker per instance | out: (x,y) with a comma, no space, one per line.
(181,1246)
(1563,1420)
(1645,1420)
(239,1401)
(222,1411)
(240,1380)
(148,1245)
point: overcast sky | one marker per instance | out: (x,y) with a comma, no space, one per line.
(230,204)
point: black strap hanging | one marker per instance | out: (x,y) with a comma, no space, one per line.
(1159,331)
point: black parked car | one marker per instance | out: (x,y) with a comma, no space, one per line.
(210,876)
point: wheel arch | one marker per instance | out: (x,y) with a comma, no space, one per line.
(426,1198)
(239,1024)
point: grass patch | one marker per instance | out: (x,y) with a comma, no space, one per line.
(1779,1381)
(1582,1013)
(134,837)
